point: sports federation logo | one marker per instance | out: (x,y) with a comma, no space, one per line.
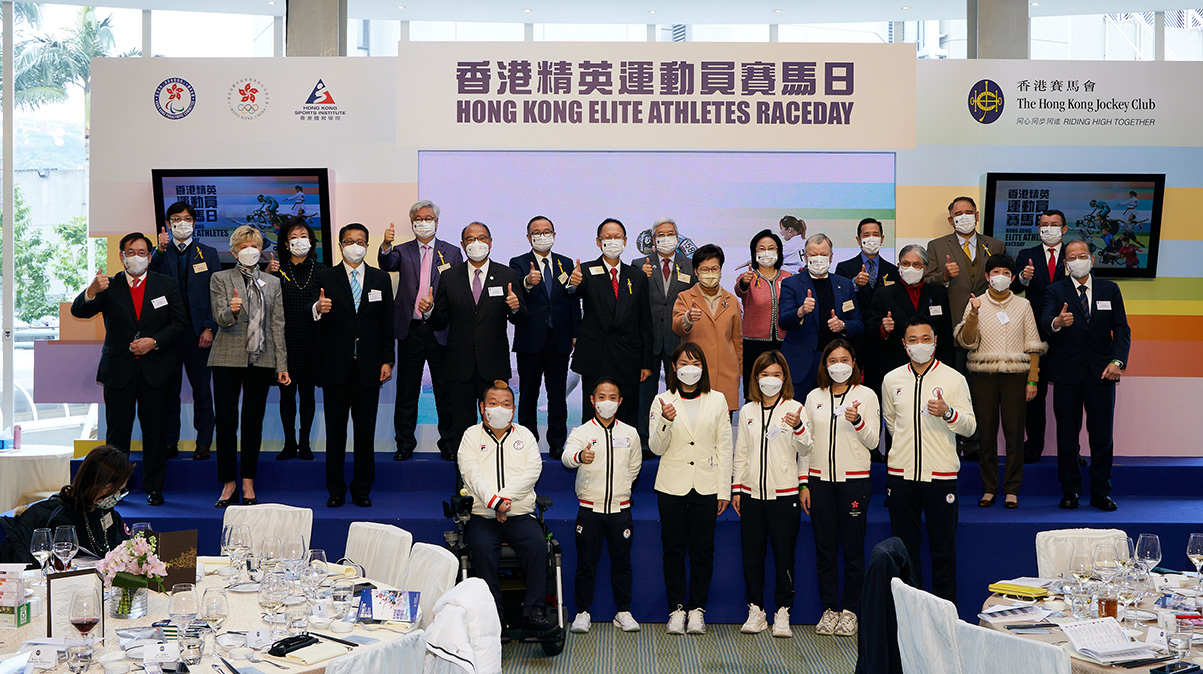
(986,101)
(320,106)
(247,98)
(175,98)
(320,95)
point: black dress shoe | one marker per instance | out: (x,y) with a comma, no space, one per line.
(537,624)
(556,453)
(448,455)
(154,498)
(362,501)
(172,452)
(305,452)
(201,453)
(250,501)
(403,455)
(289,452)
(1069,501)
(335,502)
(1032,458)
(1106,504)
(227,502)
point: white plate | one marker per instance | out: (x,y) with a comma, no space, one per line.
(1142,615)
(245,588)
(228,641)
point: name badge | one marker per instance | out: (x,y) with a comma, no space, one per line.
(935,310)
(106,521)
(622,442)
(848,306)
(44,657)
(772,432)
(262,283)
(683,278)
(563,279)
(887,283)
(443,267)
(1103,305)
(159,302)
(597,271)
(168,652)
(375,296)
(1003,318)
(200,267)
(495,291)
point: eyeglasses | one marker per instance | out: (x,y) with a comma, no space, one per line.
(707,270)
(179,220)
(618,237)
(354,242)
(136,253)
(474,239)
(427,220)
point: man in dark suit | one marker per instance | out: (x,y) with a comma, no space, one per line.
(869,272)
(420,263)
(669,271)
(143,317)
(544,343)
(191,263)
(1088,343)
(816,307)
(1035,269)
(895,304)
(355,310)
(615,337)
(474,302)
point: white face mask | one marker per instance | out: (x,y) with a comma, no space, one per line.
(425,230)
(612,248)
(965,223)
(477,250)
(839,372)
(181,232)
(1000,282)
(710,279)
(665,245)
(248,257)
(299,247)
(1050,236)
(542,242)
(689,374)
(818,265)
(354,253)
(136,266)
(766,258)
(770,386)
(920,353)
(910,275)
(606,409)
(498,418)
(1079,268)
(870,244)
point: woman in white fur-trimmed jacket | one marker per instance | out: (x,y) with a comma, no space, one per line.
(1004,346)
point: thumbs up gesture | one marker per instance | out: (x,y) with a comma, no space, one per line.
(99,284)
(588,455)
(426,303)
(887,323)
(1028,271)
(390,234)
(235,302)
(745,279)
(535,277)
(834,323)
(164,240)
(808,304)
(936,406)
(511,300)
(577,276)
(695,312)
(647,266)
(273,265)
(323,304)
(793,419)
(975,302)
(862,278)
(951,269)
(1063,319)
(851,412)
(667,410)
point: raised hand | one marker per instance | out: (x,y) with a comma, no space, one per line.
(1028,271)
(235,302)
(1063,319)
(99,284)
(511,300)
(851,412)
(887,323)
(951,269)
(793,419)
(834,324)
(324,305)
(273,265)
(695,313)
(862,278)
(588,455)
(937,407)
(164,239)
(668,411)
(577,276)
(647,266)
(535,277)
(390,234)
(975,302)
(746,278)
(808,304)
(426,303)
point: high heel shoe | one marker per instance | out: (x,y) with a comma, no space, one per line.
(227,502)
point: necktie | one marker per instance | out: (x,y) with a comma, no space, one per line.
(1052,263)
(476,287)
(614,280)
(968,251)
(423,279)
(1084,301)
(666,270)
(356,289)
(137,283)
(547,281)
(871,270)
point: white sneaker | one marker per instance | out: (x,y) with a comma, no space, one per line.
(676,622)
(756,622)
(847,625)
(826,626)
(697,622)
(781,623)
(626,622)
(581,623)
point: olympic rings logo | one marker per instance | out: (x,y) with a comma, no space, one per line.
(248,108)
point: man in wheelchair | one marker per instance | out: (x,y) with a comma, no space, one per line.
(500,464)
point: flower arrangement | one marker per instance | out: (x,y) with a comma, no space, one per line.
(132,566)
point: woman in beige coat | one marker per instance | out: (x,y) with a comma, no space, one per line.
(709,316)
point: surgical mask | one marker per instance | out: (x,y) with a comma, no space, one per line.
(249,256)
(606,409)
(920,353)
(665,245)
(136,266)
(354,253)
(299,247)
(1000,282)
(109,502)
(965,223)
(424,230)
(770,386)
(1080,267)
(499,418)
(839,372)
(870,244)
(689,374)
(477,250)
(766,258)
(710,279)
(542,242)
(1050,236)
(181,232)
(818,265)
(612,248)
(910,275)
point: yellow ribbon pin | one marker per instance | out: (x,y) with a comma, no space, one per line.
(629,291)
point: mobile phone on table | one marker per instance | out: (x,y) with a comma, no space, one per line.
(1178,667)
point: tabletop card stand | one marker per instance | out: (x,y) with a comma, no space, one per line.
(60,587)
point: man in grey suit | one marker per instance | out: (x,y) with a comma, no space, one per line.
(669,272)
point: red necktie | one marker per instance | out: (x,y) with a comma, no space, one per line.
(1052,263)
(614,279)
(666,270)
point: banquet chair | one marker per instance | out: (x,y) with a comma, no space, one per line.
(1055,547)
(381,549)
(927,642)
(432,572)
(466,633)
(272,519)
(988,651)
(402,655)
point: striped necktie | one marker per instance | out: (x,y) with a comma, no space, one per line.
(356,289)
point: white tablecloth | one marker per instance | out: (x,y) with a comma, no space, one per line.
(32,468)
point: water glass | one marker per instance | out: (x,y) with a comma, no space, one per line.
(192,649)
(79,657)
(140,528)
(1079,601)
(1179,640)
(296,614)
(340,598)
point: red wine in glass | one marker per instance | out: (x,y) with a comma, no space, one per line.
(84,625)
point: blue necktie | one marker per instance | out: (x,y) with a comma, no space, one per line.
(548,279)
(1085,302)
(871,270)
(356,289)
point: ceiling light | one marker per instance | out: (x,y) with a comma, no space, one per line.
(778,11)
(651,11)
(1035,4)
(906,7)
(400,6)
(527,10)
(271,2)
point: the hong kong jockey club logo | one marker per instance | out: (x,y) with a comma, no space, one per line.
(175,98)
(247,98)
(986,101)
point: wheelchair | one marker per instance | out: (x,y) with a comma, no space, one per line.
(513,585)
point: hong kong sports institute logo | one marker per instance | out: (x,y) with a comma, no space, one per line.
(247,98)
(986,101)
(175,98)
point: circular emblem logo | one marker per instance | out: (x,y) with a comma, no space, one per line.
(626,533)
(517,444)
(986,101)
(950,498)
(175,98)
(579,529)
(247,98)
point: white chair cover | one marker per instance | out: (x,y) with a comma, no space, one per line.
(402,655)
(432,571)
(272,519)
(927,642)
(465,637)
(381,549)
(988,651)
(1054,548)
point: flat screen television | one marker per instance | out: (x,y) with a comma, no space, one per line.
(1118,214)
(266,198)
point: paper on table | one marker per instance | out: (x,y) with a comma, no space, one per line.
(1004,613)
(316,653)
(1103,639)
(1045,583)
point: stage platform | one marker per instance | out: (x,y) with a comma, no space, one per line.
(1155,495)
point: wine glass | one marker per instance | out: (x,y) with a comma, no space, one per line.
(1128,547)
(140,528)
(1081,565)
(84,615)
(215,608)
(184,605)
(236,544)
(269,554)
(1128,591)
(66,545)
(314,573)
(1106,563)
(1148,551)
(273,590)
(1194,552)
(41,546)
(293,553)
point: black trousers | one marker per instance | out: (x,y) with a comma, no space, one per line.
(615,530)
(418,350)
(465,405)
(120,405)
(1098,399)
(911,500)
(1034,421)
(752,350)
(195,361)
(551,367)
(484,537)
(648,388)
(962,365)
(252,383)
(838,514)
(288,411)
(359,402)
(762,522)
(628,411)
(687,526)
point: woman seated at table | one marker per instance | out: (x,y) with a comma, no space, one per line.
(88,503)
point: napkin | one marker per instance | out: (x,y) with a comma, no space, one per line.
(316,653)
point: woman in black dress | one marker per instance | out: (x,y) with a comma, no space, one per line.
(298,262)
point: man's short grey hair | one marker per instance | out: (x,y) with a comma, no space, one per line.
(820,238)
(916,249)
(243,234)
(413,210)
(661,221)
